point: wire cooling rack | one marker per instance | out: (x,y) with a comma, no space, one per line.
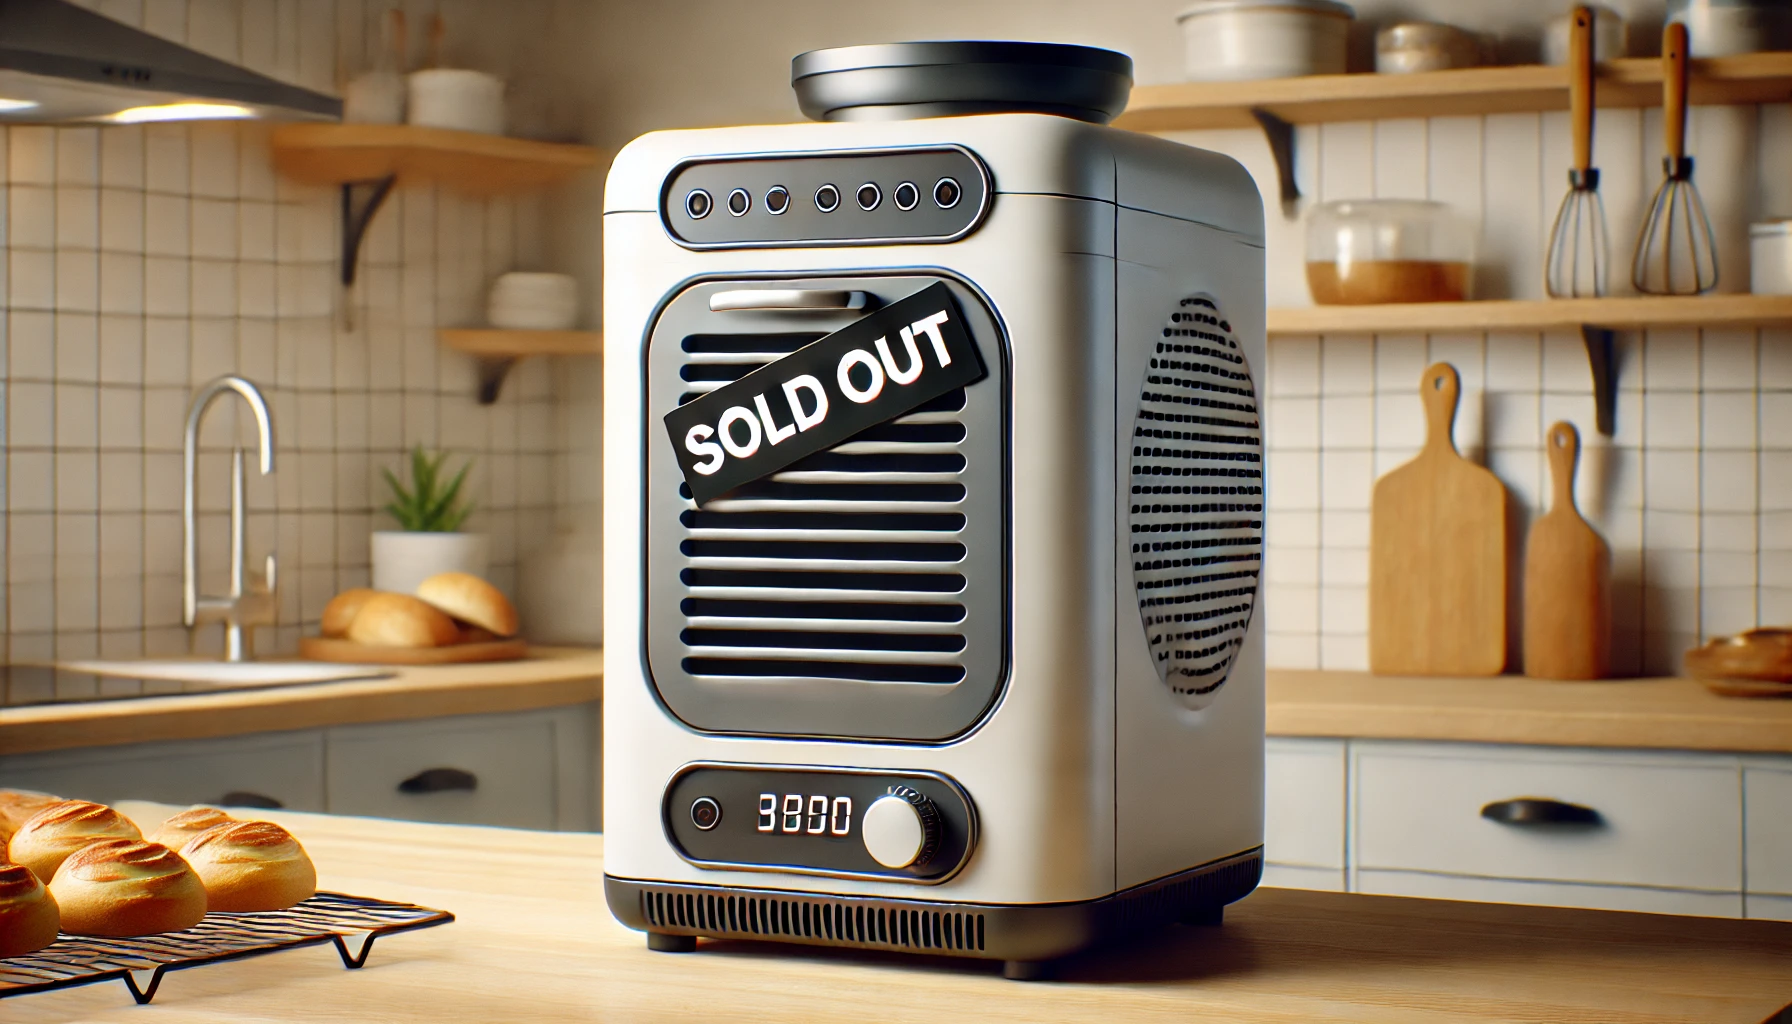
(345,921)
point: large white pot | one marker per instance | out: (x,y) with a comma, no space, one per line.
(401,560)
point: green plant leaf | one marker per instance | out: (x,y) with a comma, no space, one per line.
(427,506)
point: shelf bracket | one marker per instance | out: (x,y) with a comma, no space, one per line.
(355,219)
(492,370)
(1605,376)
(1281,146)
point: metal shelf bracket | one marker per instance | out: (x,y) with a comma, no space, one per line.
(1605,376)
(356,217)
(492,370)
(1281,146)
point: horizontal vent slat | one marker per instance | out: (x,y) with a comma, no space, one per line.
(882,673)
(936,583)
(823,550)
(803,640)
(883,494)
(821,625)
(736,343)
(698,606)
(884,522)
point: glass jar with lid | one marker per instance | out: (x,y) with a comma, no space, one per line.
(1368,251)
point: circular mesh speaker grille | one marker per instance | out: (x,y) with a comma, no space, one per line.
(1196,501)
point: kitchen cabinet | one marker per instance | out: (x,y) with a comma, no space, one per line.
(535,769)
(1656,831)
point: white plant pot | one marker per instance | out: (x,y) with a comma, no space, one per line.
(401,560)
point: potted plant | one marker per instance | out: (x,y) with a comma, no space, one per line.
(428,539)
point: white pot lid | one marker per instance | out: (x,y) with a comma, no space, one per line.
(1323,7)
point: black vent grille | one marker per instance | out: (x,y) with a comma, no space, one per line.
(848,565)
(1196,498)
(820,921)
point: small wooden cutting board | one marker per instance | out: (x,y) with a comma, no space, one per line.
(1567,579)
(1437,554)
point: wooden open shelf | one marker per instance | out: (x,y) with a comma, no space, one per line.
(497,343)
(1536,314)
(338,154)
(1631,82)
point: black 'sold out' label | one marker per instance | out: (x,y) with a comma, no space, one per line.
(868,372)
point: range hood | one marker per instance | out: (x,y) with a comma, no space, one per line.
(61,64)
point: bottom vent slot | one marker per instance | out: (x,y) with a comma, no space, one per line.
(825,922)
(871,610)
(872,671)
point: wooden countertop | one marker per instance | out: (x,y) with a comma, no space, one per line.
(549,677)
(1669,714)
(534,941)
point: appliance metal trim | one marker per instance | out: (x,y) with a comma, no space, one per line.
(989,190)
(1007,421)
(970,846)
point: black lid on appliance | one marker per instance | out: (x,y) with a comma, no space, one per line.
(899,81)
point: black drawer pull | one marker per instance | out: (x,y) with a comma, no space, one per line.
(439,780)
(243,798)
(1536,810)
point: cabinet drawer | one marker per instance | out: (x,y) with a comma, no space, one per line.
(1549,894)
(1303,802)
(284,767)
(1767,809)
(1290,876)
(473,770)
(1669,820)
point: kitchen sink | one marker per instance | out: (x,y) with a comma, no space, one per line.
(226,674)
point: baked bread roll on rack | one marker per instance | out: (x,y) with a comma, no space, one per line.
(126,887)
(52,834)
(175,832)
(342,609)
(471,600)
(400,620)
(251,865)
(16,806)
(28,917)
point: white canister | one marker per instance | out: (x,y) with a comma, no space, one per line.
(1719,28)
(1770,258)
(468,101)
(1611,36)
(533,302)
(1239,40)
(403,559)
(374,97)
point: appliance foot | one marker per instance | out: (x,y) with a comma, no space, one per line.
(660,942)
(1027,970)
(1205,917)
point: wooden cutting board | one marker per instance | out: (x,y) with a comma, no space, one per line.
(1567,579)
(323,648)
(1437,554)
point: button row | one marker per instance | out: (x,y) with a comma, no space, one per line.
(906,196)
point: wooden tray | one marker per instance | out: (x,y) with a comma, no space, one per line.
(1746,687)
(322,648)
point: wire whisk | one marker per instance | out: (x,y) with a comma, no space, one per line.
(1575,266)
(1676,253)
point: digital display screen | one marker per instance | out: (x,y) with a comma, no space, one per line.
(806,820)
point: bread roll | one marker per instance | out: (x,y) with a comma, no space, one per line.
(126,887)
(400,620)
(15,806)
(50,835)
(251,865)
(470,599)
(1764,655)
(342,609)
(28,917)
(178,829)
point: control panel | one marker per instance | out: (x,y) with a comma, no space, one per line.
(845,822)
(936,194)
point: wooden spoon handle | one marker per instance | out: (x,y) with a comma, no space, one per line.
(1674,87)
(1580,85)
(1564,454)
(1440,390)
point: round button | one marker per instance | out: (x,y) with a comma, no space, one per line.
(777,200)
(901,830)
(946,193)
(870,196)
(906,196)
(827,199)
(705,813)
(739,202)
(697,204)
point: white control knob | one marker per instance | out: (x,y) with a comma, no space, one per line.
(901,830)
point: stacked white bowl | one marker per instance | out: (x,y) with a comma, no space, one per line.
(533,302)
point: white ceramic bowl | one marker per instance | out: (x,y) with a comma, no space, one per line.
(1237,40)
(533,302)
(1770,258)
(468,101)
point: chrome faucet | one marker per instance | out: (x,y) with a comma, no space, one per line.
(239,611)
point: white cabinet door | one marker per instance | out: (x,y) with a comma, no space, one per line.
(469,769)
(285,768)
(1665,820)
(1303,827)
(1767,814)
